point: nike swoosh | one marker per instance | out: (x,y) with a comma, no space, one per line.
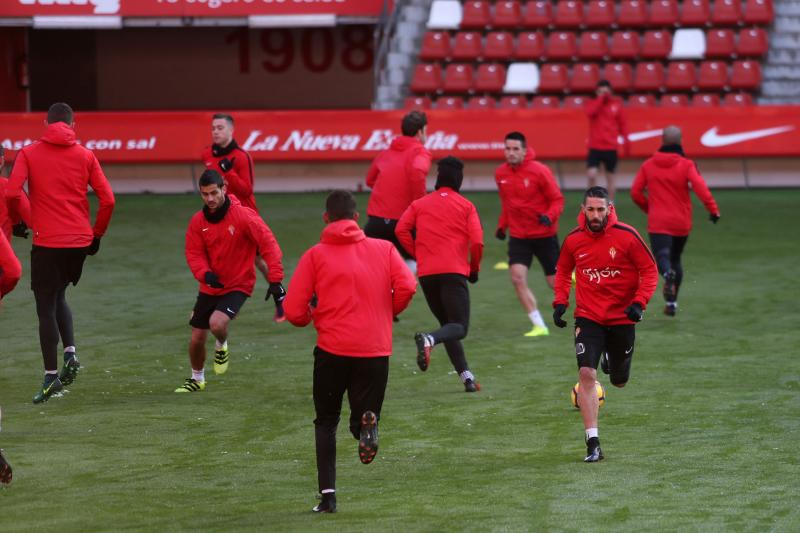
(629,350)
(205,229)
(231,311)
(642,135)
(582,255)
(713,139)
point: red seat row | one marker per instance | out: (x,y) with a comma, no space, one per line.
(458,78)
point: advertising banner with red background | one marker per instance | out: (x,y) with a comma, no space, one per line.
(163,137)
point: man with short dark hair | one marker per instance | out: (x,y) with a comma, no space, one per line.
(221,243)
(59,171)
(615,278)
(606,125)
(350,286)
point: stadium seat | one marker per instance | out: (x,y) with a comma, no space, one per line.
(720,42)
(681,76)
(512,102)
(726,13)
(481,102)
(624,45)
(649,76)
(467,46)
(574,102)
(745,75)
(619,75)
(656,44)
(449,102)
(553,78)
(538,14)
(713,76)
(753,42)
(490,78)
(476,15)
(458,78)
(584,78)
(705,100)
(507,14)
(641,100)
(737,99)
(561,45)
(695,13)
(417,102)
(674,100)
(663,14)
(530,45)
(427,78)
(632,14)
(599,14)
(688,44)
(522,78)
(593,45)
(758,12)
(499,46)
(545,102)
(445,15)
(435,46)
(569,14)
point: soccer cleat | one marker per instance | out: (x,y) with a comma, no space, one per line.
(69,371)
(593,451)
(424,347)
(538,331)
(5,470)
(48,390)
(368,443)
(671,308)
(670,287)
(471,386)
(604,362)
(501,265)
(327,503)
(221,360)
(191,385)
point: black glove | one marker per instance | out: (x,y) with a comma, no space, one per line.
(277,291)
(94,247)
(544,220)
(20,230)
(558,312)
(226,164)
(634,312)
(473,277)
(500,234)
(714,217)
(213,281)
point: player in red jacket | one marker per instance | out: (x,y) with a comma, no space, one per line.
(59,172)
(661,189)
(397,178)
(606,126)
(221,241)
(443,232)
(615,278)
(530,205)
(16,226)
(10,268)
(350,286)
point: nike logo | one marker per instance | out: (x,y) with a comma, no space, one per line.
(205,229)
(582,255)
(713,139)
(232,311)
(629,350)
(642,135)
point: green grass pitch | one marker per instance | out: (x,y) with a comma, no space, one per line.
(704,438)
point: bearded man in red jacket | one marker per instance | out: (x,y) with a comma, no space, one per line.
(615,278)
(221,243)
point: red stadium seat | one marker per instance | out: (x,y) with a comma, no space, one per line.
(713,76)
(674,100)
(530,45)
(726,13)
(499,46)
(649,76)
(481,102)
(695,13)
(561,45)
(507,14)
(584,78)
(593,45)
(427,78)
(681,76)
(656,44)
(435,46)
(553,78)
(705,100)
(449,102)
(632,14)
(624,45)
(545,102)
(467,46)
(417,102)
(745,75)
(574,102)
(475,15)
(753,42)
(619,75)
(513,102)
(458,78)
(737,99)
(569,14)
(538,14)
(720,42)
(599,14)
(758,12)
(490,78)
(641,100)
(663,13)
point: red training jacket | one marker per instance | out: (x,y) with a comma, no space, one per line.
(10,267)
(23,210)
(360,284)
(661,189)
(228,249)
(613,269)
(606,123)
(527,191)
(397,177)
(59,171)
(448,230)
(239,179)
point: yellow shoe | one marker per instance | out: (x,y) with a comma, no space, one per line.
(538,331)
(191,385)
(221,361)
(502,265)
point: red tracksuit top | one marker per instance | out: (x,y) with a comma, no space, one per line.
(228,249)
(10,267)
(397,177)
(606,122)
(661,189)
(360,284)
(23,213)
(449,236)
(59,171)
(613,269)
(239,179)
(527,191)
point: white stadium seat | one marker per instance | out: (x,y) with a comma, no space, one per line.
(522,78)
(688,43)
(445,15)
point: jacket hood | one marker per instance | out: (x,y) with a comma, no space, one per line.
(402,143)
(342,232)
(59,133)
(612,219)
(666,159)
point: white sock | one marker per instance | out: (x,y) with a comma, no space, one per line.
(536,318)
(327,491)
(199,375)
(592,432)
(412,265)
(69,349)
(465,375)
(223,346)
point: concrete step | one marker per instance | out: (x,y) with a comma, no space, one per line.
(398,60)
(783,57)
(788,23)
(786,89)
(781,72)
(415,14)
(786,8)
